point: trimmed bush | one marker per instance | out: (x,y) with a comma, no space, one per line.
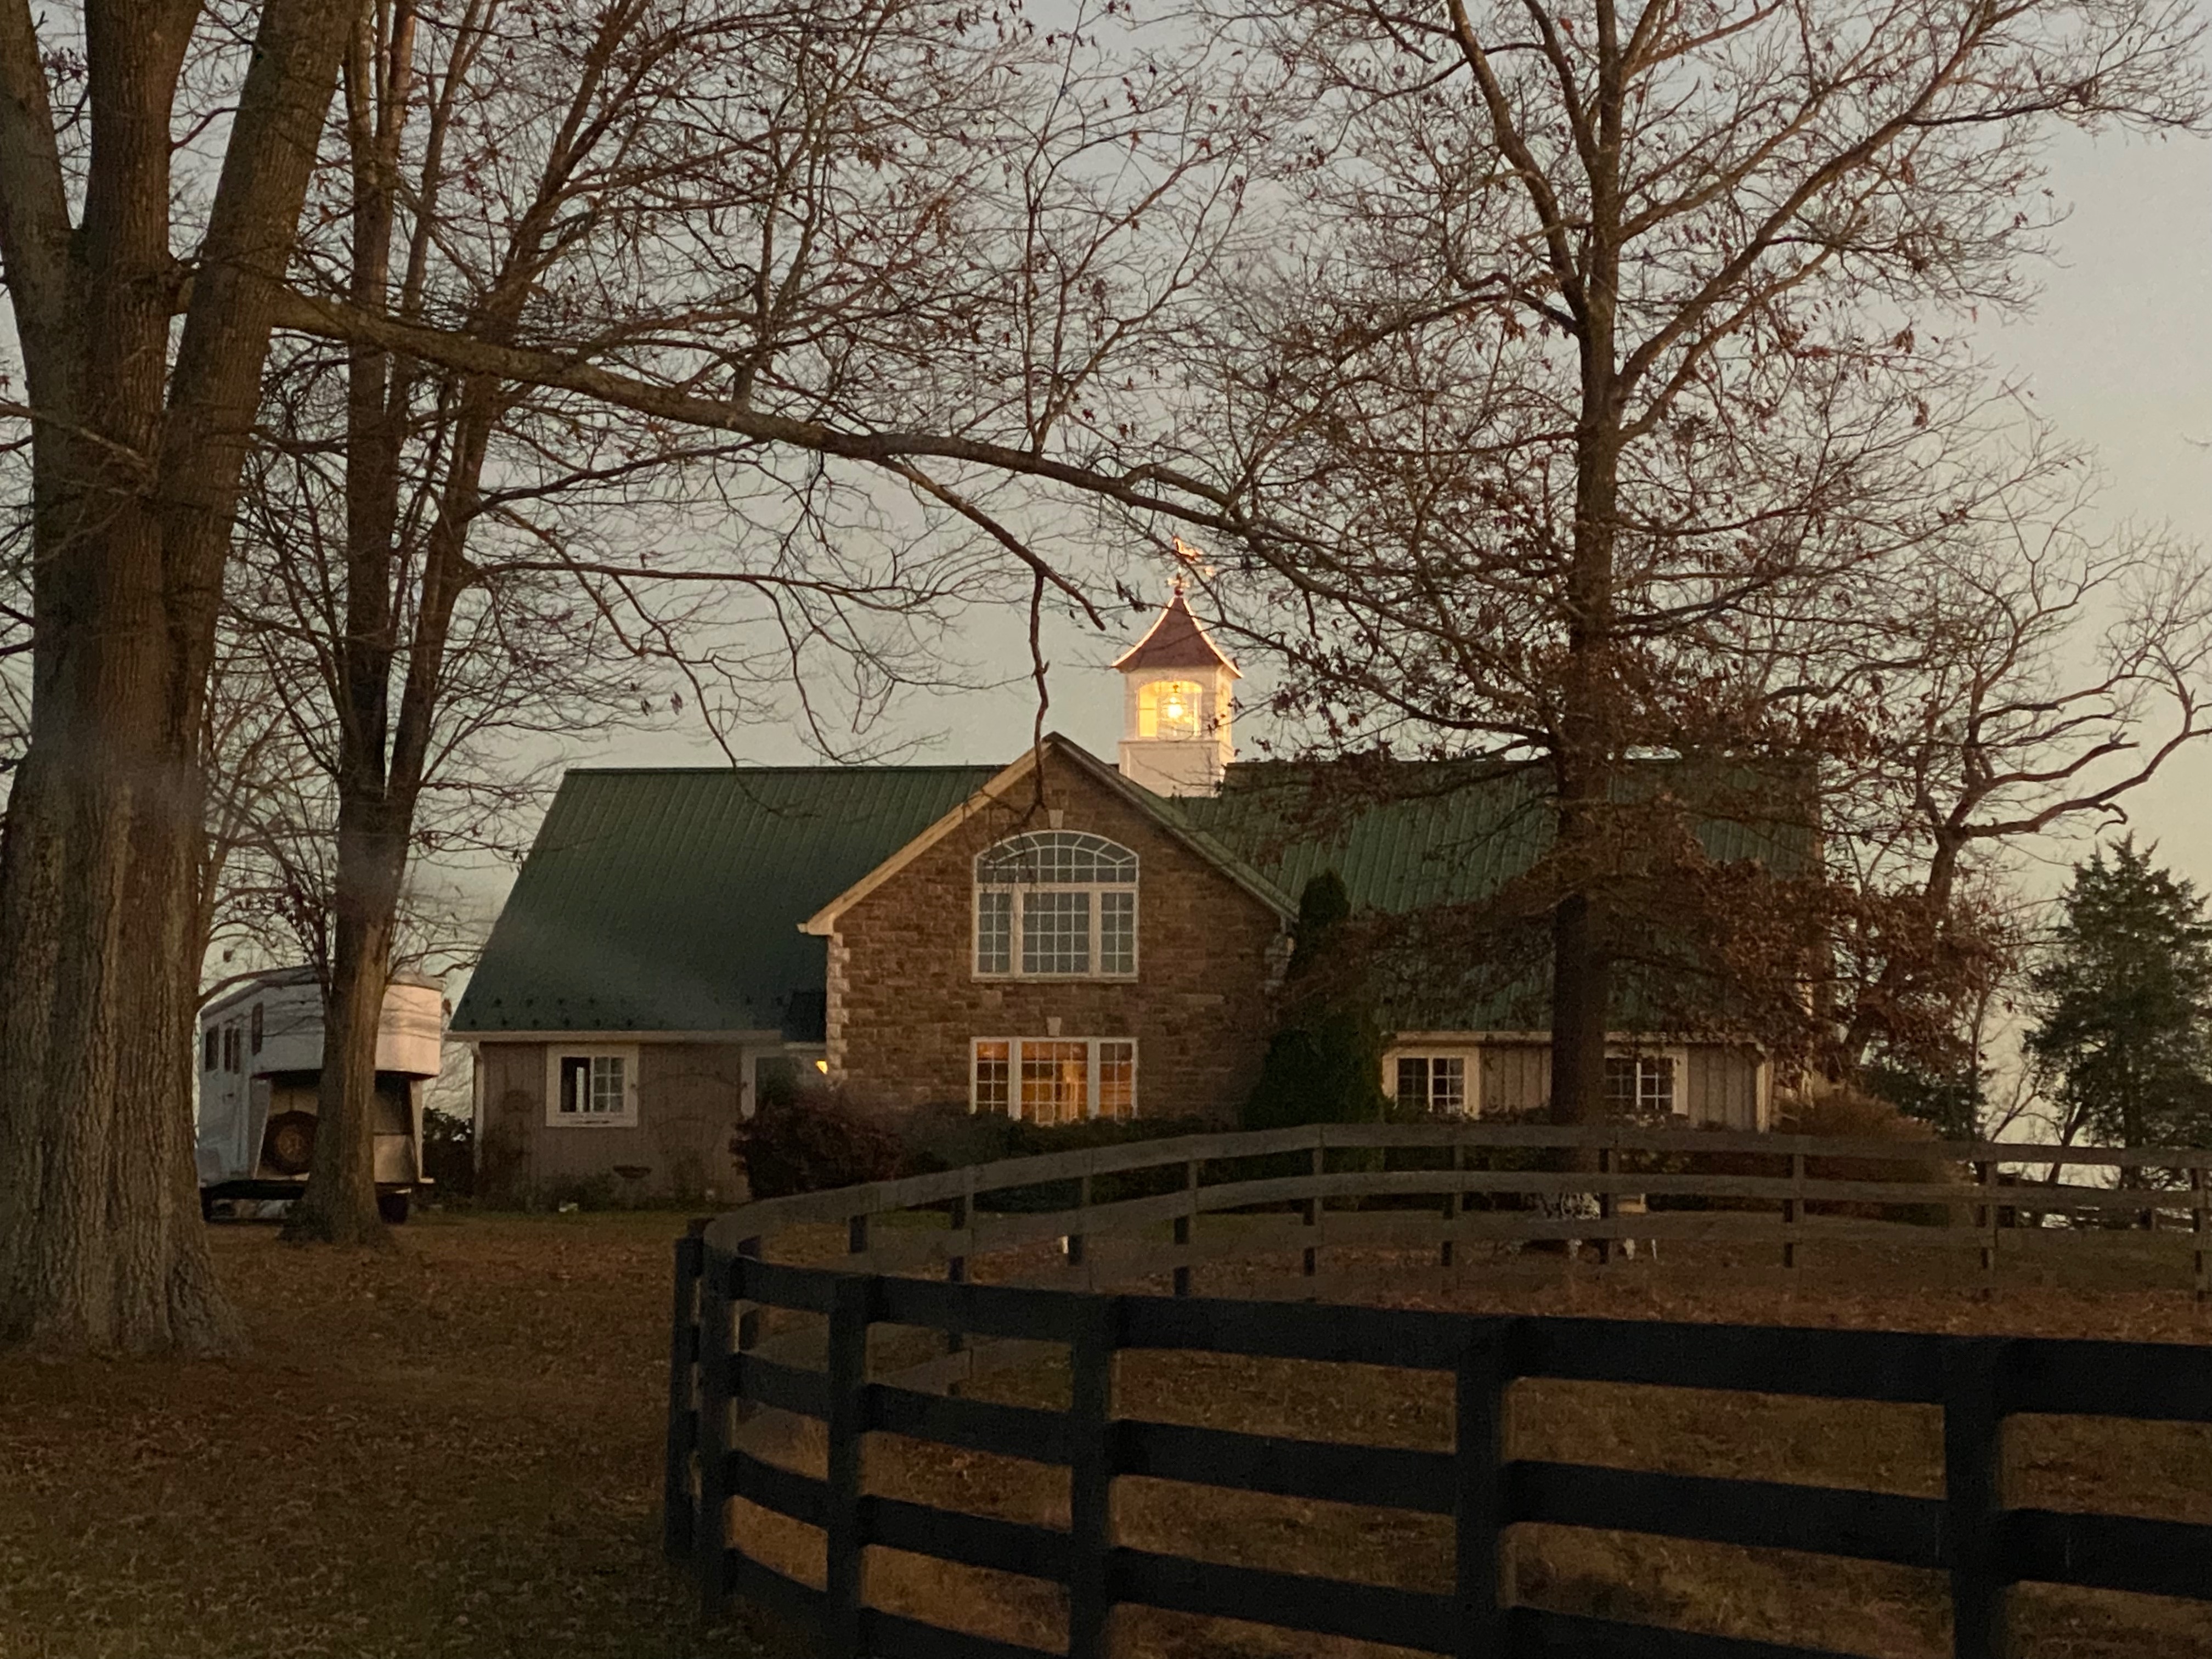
(810,1139)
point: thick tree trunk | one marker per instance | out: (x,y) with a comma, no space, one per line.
(136,466)
(339,1204)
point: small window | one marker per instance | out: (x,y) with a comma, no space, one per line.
(1640,1085)
(595,1087)
(230,1057)
(1432,1083)
(211,1047)
(1055,1079)
(1168,708)
(254,1037)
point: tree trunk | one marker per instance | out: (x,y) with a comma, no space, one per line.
(339,1204)
(135,474)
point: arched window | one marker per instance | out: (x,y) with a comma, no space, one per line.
(1168,708)
(1056,902)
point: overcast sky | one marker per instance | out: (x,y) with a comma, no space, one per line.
(2118,355)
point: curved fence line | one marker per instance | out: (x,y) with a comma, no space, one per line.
(833,1368)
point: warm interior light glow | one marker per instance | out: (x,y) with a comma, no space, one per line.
(822,1066)
(1167,709)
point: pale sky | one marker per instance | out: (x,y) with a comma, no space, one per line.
(2118,355)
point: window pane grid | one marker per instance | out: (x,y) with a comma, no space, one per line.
(606,1084)
(1117,933)
(991,1077)
(1057,856)
(1053,1079)
(995,933)
(1117,1079)
(1056,932)
(1640,1084)
(1432,1083)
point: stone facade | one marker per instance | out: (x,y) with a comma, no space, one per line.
(905,1001)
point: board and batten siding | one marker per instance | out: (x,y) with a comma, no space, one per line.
(689,1097)
(1721,1085)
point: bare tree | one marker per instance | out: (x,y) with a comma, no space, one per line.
(136,450)
(898,360)
(1616,354)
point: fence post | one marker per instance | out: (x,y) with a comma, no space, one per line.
(1606,1165)
(1480,1513)
(1793,1210)
(955,1266)
(679,1509)
(849,1312)
(1318,1162)
(1090,1478)
(1182,1227)
(1985,1215)
(1973,1494)
(710,1542)
(1075,1241)
(2196,1180)
(1452,1201)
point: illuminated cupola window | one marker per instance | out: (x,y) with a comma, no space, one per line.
(1176,706)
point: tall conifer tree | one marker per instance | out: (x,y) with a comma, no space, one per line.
(2127,994)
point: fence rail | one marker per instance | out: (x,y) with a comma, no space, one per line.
(829,1369)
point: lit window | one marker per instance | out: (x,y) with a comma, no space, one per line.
(1055,1079)
(1641,1086)
(1117,1079)
(1168,708)
(1432,1083)
(594,1087)
(1055,1082)
(1069,898)
(993,1061)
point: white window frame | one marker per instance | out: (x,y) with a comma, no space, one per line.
(1470,1085)
(557,1119)
(1676,1058)
(1019,893)
(1014,1046)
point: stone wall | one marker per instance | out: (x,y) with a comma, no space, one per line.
(905,1003)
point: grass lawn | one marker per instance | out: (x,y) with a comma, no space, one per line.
(455,1449)
(452,1449)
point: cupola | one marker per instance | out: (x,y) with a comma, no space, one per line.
(1175,705)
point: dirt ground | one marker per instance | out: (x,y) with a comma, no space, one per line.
(453,1450)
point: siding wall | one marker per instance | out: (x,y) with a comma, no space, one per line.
(1720,1084)
(688,1100)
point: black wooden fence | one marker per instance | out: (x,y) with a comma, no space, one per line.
(717,1375)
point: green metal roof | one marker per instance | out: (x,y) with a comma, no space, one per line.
(1450,832)
(671,899)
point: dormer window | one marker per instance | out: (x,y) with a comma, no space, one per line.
(1168,708)
(1056,905)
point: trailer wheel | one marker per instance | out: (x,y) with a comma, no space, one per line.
(392,1206)
(289,1145)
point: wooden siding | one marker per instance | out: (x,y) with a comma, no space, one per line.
(688,1102)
